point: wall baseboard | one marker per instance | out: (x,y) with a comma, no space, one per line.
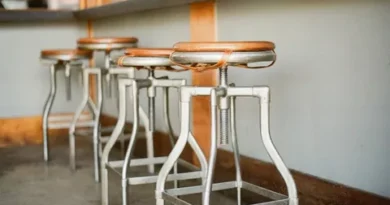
(312,190)
(24,131)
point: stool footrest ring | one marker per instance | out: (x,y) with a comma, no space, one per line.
(171,177)
(173,200)
(152,179)
(61,125)
(138,162)
(147,161)
(278,199)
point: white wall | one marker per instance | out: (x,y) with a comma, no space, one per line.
(25,80)
(156,28)
(330,97)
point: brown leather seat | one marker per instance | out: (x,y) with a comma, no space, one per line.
(65,54)
(149,52)
(195,55)
(107,40)
(235,46)
(106,43)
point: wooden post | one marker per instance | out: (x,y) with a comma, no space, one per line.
(202,28)
(92,79)
(82,4)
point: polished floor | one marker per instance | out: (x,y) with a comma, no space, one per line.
(25,179)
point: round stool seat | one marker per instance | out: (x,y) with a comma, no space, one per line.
(235,46)
(107,43)
(65,54)
(146,57)
(216,54)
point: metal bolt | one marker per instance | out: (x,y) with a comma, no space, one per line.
(68,82)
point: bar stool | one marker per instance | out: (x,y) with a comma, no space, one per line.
(201,56)
(60,59)
(152,60)
(107,45)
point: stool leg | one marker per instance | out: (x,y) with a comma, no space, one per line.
(76,116)
(111,142)
(151,93)
(149,138)
(176,151)
(169,128)
(122,140)
(122,145)
(131,143)
(96,126)
(213,148)
(46,111)
(235,147)
(271,150)
(91,106)
(201,157)
(116,94)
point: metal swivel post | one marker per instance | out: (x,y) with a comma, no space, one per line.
(151,102)
(224,108)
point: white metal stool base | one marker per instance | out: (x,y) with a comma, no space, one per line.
(224,98)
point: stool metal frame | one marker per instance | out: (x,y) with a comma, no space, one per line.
(67,64)
(96,107)
(223,98)
(96,110)
(151,83)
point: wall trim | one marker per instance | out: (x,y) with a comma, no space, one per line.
(26,130)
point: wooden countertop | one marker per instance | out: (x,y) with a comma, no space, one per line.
(113,9)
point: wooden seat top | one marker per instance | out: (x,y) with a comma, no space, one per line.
(147,58)
(149,52)
(222,46)
(107,40)
(202,56)
(66,54)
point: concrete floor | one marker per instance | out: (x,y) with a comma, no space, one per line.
(25,179)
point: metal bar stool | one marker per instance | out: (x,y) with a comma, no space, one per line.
(60,59)
(95,44)
(152,60)
(201,56)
